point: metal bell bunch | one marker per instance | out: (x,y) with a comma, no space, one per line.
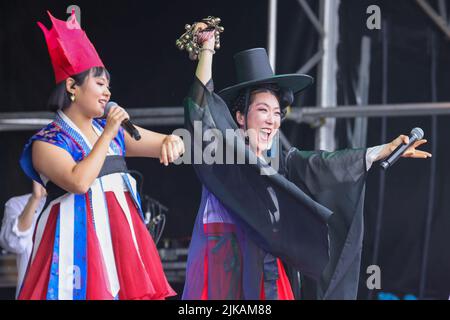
(188,40)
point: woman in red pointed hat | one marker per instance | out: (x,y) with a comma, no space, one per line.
(90,241)
(254,219)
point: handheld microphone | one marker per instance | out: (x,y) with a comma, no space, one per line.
(415,135)
(126,124)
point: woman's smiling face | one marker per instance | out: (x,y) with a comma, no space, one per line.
(93,95)
(263,120)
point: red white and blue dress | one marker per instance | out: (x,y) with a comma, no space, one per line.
(93,245)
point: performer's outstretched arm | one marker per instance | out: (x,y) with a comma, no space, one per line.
(321,170)
(154,145)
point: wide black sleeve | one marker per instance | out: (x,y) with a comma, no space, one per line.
(337,181)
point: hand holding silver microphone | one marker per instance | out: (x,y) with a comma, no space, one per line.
(404,146)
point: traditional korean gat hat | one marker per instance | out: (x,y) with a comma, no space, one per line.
(70,50)
(253,68)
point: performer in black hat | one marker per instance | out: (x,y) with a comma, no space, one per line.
(307,215)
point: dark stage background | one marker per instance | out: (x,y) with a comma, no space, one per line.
(136,41)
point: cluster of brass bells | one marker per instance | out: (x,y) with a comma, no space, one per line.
(188,41)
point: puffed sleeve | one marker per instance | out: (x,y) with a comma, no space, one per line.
(50,134)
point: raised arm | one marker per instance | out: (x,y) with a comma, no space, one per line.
(25,220)
(204,67)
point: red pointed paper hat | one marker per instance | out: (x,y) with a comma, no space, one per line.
(70,50)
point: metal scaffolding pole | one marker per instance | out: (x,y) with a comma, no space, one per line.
(174,116)
(272,33)
(358,136)
(440,21)
(434,136)
(327,84)
(314,60)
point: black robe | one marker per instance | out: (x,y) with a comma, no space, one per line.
(318,201)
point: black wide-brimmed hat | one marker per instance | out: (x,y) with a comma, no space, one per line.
(253,68)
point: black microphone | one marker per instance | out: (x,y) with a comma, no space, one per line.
(415,135)
(126,124)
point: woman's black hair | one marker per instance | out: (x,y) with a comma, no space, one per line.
(284,96)
(59,98)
